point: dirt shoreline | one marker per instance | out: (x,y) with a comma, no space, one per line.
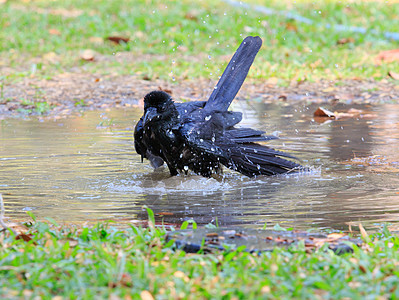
(73,92)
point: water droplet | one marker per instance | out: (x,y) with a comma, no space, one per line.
(258,166)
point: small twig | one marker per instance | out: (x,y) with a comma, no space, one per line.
(2,212)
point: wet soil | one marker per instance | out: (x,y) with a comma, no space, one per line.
(73,92)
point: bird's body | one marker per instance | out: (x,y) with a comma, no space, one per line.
(201,136)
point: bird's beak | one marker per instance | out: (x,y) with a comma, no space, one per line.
(150,115)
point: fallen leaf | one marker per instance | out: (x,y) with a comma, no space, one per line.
(322,112)
(191,15)
(291,27)
(393,75)
(54,31)
(117,39)
(335,235)
(329,89)
(87,55)
(166,90)
(344,41)
(388,56)
(212,234)
(282,97)
(24,237)
(165,213)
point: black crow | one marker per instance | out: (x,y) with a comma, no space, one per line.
(201,136)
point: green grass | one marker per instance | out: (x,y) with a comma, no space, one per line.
(102,261)
(187,40)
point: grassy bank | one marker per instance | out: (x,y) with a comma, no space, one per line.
(187,40)
(90,262)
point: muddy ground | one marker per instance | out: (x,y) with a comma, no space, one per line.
(73,92)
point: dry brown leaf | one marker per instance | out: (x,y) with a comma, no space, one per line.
(322,112)
(166,90)
(388,56)
(54,31)
(335,235)
(165,213)
(88,55)
(24,237)
(291,27)
(118,39)
(344,41)
(192,15)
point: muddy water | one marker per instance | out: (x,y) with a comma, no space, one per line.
(85,168)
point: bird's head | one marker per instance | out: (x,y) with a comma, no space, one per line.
(157,99)
(158,105)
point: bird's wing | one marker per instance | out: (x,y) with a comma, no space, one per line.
(185,108)
(234,75)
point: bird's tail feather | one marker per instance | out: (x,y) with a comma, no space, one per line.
(234,75)
(265,161)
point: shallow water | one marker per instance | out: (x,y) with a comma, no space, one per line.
(85,168)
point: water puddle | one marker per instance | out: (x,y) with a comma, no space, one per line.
(85,168)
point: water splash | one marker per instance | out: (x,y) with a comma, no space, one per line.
(299,18)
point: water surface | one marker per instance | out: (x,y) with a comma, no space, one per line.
(85,168)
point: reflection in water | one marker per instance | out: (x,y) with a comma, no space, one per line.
(73,169)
